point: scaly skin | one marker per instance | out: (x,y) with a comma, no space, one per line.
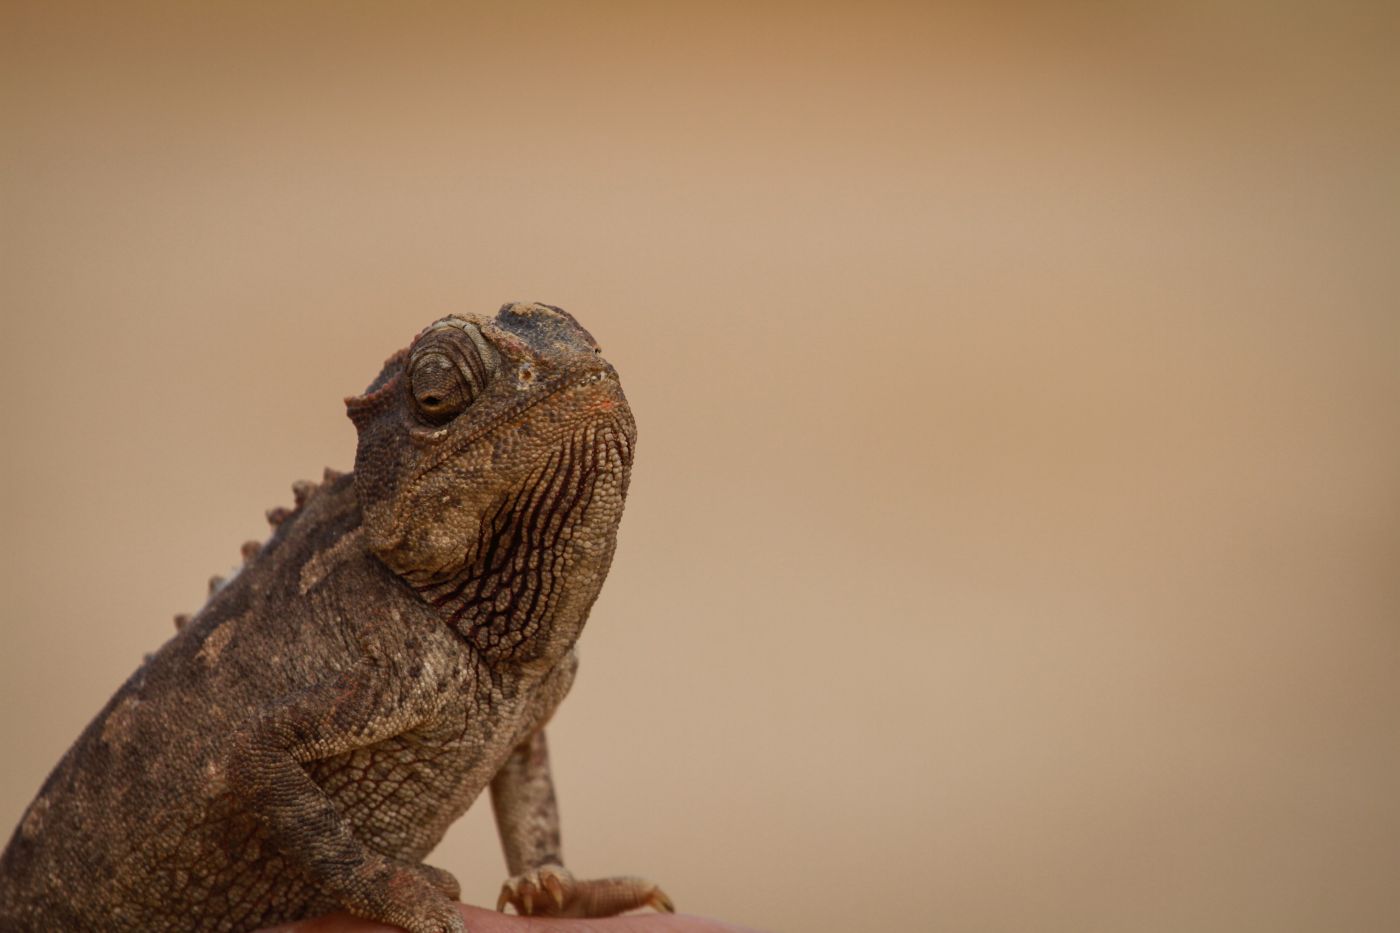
(395,647)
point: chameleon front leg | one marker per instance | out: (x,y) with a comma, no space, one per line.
(527,817)
(361,706)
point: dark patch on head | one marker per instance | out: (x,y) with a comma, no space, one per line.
(545,326)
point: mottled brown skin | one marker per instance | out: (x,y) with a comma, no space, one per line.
(395,647)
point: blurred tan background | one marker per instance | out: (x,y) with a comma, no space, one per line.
(1015,535)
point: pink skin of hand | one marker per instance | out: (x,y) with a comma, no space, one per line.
(489,921)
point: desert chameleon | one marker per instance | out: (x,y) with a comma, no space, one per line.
(395,646)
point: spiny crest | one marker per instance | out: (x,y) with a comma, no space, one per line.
(302,492)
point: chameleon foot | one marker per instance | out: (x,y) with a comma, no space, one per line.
(418,898)
(550,891)
(443,880)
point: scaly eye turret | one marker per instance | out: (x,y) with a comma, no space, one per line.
(448,370)
(439,389)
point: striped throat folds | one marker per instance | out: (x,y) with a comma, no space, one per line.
(479,422)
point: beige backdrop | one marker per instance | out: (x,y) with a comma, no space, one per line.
(1013,543)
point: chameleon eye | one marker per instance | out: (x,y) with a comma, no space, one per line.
(439,389)
(450,365)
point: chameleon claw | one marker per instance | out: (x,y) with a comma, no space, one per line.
(503,899)
(555,888)
(527,901)
(661,902)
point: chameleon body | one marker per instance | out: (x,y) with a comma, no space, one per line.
(394,648)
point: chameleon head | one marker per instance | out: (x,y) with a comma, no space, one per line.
(479,418)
